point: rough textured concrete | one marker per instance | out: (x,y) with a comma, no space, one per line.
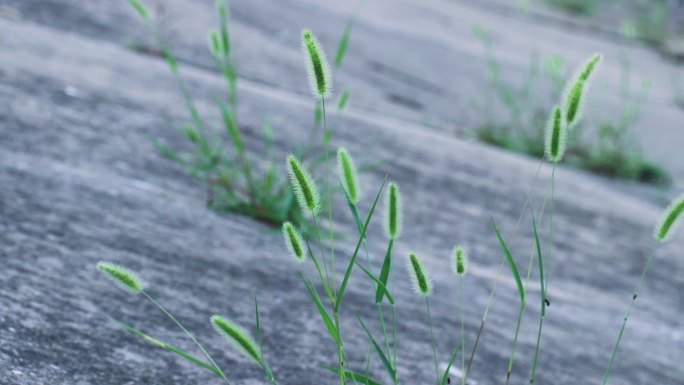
(81,182)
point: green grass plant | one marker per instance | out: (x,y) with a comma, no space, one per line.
(327,288)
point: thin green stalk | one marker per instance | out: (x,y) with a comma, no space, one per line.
(637,289)
(544,280)
(543,298)
(192,337)
(515,343)
(542,317)
(432,337)
(326,144)
(553,209)
(320,246)
(460,286)
(501,267)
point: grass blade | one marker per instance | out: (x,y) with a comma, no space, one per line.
(353,375)
(140,9)
(170,348)
(381,286)
(352,262)
(541,265)
(511,263)
(344,43)
(383,358)
(445,377)
(321,309)
(384,273)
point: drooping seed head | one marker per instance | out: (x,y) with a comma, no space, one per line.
(294,242)
(393,211)
(237,336)
(459,261)
(421,282)
(348,176)
(303,186)
(317,66)
(556,136)
(122,277)
(575,90)
(671,219)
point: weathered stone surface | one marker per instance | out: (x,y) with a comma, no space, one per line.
(80,182)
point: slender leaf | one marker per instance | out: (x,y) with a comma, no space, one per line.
(381,287)
(170,348)
(321,309)
(352,261)
(541,266)
(511,262)
(353,375)
(445,377)
(140,9)
(344,43)
(384,273)
(383,358)
(343,100)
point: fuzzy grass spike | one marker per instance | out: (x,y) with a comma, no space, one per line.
(294,242)
(317,66)
(242,341)
(575,91)
(670,221)
(303,186)
(459,263)
(393,212)
(348,175)
(556,136)
(122,277)
(421,282)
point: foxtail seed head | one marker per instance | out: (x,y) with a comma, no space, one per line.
(294,242)
(122,277)
(303,186)
(556,136)
(575,90)
(421,283)
(459,261)
(317,66)
(393,211)
(348,176)
(237,336)
(670,221)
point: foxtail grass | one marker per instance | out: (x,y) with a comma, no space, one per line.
(422,286)
(459,266)
(663,232)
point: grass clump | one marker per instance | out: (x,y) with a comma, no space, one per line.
(606,147)
(236,180)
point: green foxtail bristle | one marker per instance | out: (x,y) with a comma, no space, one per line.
(303,186)
(459,261)
(122,277)
(575,90)
(670,221)
(294,241)
(317,66)
(348,175)
(556,136)
(393,211)
(419,279)
(242,341)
